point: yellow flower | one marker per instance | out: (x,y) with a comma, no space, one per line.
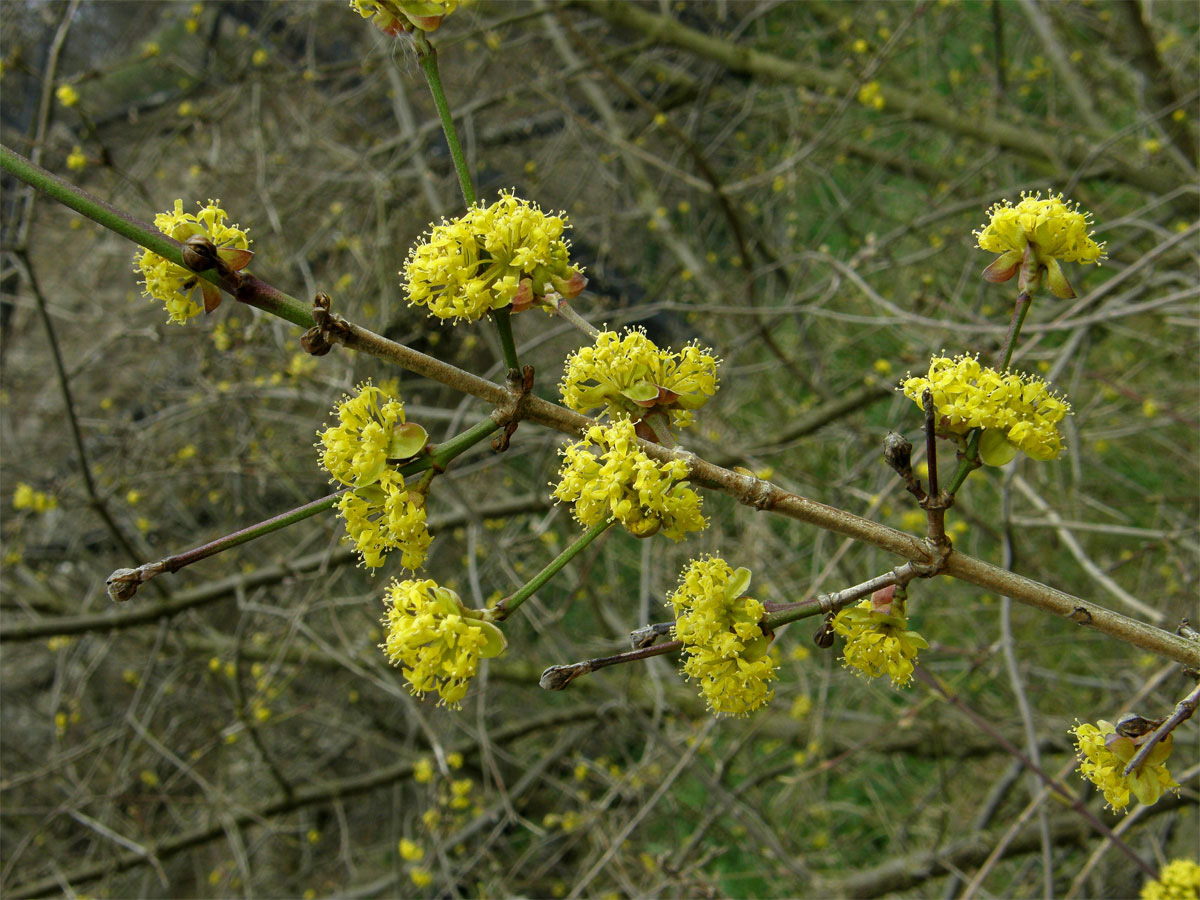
(436,640)
(259,57)
(394,16)
(25,497)
(67,95)
(725,649)
(360,452)
(385,516)
(631,377)
(76,159)
(411,851)
(371,429)
(423,770)
(1179,880)
(1103,755)
(623,481)
(421,877)
(174,285)
(1017,412)
(878,641)
(1033,236)
(871,95)
(509,253)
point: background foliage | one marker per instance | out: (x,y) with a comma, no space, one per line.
(255,735)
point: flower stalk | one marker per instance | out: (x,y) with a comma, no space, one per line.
(123,583)
(509,605)
(427,57)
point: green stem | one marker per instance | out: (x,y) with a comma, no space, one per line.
(445,452)
(967,464)
(503,320)
(123,583)
(247,289)
(508,605)
(825,603)
(428,58)
(1024,301)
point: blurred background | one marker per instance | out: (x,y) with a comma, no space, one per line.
(806,212)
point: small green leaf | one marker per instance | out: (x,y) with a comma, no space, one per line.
(995,449)
(756,648)
(447,602)
(407,440)
(641,392)
(738,584)
(496,643)
(690,401)
(368,477)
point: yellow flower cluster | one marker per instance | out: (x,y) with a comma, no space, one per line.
(1049,229)
(436,640)
(631,377)
(1017,411)
(385,516)
(1103,755)
(622,481)
(725,649)
(391,16)
(871,95)
(25,497)
(1179,880)
(380,513)
(490,257)
(357,449)
(175,285)
(878,641)
(66,94)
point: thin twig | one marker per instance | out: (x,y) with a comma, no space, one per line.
(1182,712)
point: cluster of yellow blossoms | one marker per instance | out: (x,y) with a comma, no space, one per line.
(622,481)
(394,16)
(725,649)
(1017,412)
(631,377)
(174,285)
(490,257)
(360,452)
(1103,755)
(878,641)
(436,640)
(26,497)
(1179,880)
(1049,230)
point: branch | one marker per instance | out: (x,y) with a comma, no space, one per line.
(746,489)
